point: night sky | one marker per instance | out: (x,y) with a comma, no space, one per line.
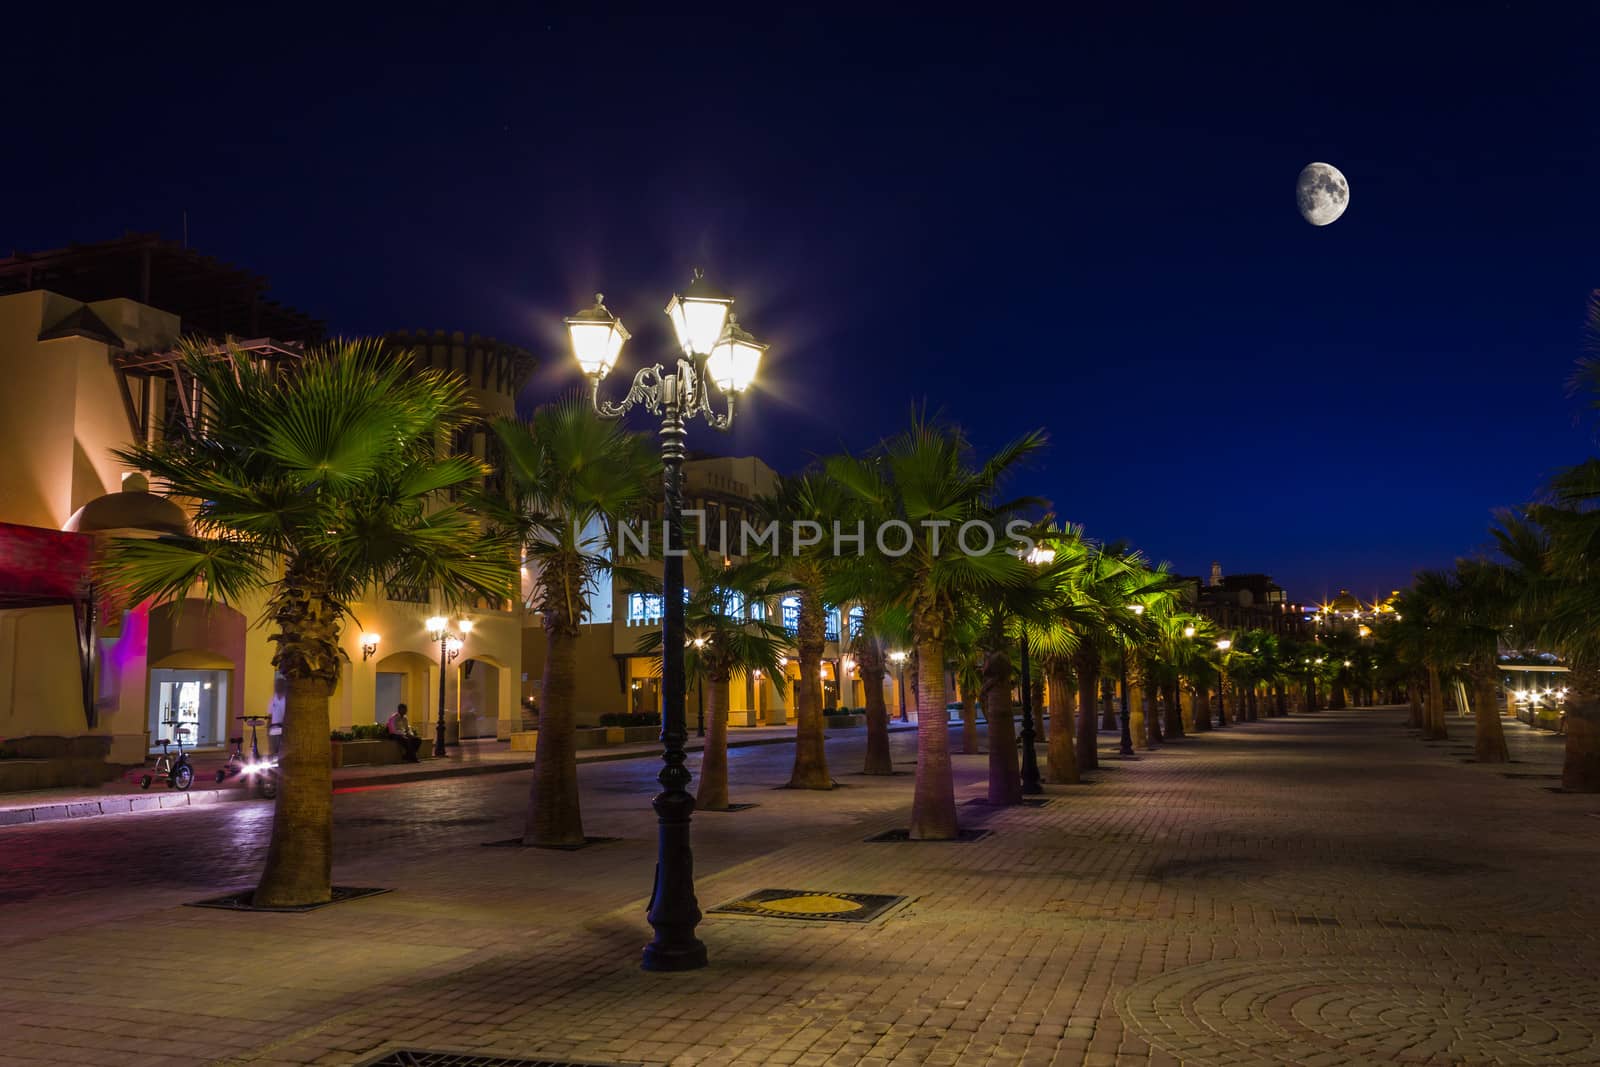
(1087,225)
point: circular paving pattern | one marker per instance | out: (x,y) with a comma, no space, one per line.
(1375,1011)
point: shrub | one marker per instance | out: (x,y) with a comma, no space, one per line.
(631,718)
(341,735)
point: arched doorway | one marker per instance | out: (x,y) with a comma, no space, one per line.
(485,696)
(193,651)
(402,678)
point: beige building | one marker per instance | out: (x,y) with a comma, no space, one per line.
(614,676)
(91,374)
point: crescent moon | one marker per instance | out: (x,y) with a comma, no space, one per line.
(1322,193)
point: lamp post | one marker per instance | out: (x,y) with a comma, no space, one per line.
(714,350)
(1223,644)
(1038,556)
(449,648)
(1125,749)
(700,695)
(899,661)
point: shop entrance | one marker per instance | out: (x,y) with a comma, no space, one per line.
(195,698)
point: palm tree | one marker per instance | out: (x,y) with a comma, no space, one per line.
(725,641)
(576,475)
(925,482)
(312,486)
(810,501)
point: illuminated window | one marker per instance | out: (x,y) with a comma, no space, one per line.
(790,606)
(830,623)
(644,609)
(858,618)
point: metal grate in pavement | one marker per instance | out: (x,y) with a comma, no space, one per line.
(726,810)
(413,1057)
(810,905)
(241,899)
(1528,774)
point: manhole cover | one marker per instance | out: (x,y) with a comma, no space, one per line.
(810,905)
(240,899)
(963,837)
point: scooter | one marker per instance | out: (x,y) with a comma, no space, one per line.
(175,769)
(260,773)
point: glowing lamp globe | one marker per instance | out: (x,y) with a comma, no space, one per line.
(597,338)
(698,316)
(436,624)
(1224,644)
(1041,556)
(734,358)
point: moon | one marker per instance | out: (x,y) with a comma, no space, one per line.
(1322,193)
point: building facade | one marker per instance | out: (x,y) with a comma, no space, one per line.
(96,372)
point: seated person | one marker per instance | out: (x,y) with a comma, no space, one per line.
(399,728)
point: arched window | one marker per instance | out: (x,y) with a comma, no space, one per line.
(858,618)
(790,606)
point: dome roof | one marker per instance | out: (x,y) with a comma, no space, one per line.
(134,509)
(1345,602)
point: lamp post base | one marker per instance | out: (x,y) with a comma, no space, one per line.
(438,741)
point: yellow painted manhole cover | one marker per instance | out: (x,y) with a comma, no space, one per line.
(810,904)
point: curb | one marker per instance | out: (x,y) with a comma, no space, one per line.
(122,805)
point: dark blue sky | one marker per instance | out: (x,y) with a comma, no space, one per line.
(1085,224)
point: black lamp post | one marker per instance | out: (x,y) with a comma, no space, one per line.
(1039,556)
(900,671)
(715,349)
(1222,683)
(700,696)
(449,649)
(1126,748)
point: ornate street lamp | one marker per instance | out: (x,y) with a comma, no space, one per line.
(715,350)
(449,648)
(1038,557)
(899,661)
(1223,644)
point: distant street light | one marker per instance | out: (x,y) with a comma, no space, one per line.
(1223,644)
(1040,556)
(449,648)
(899,661)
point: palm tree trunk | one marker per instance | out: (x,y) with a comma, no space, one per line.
(713,792)
(1088,691)
(1489,740)
(1152,712)
(969,723)
(1005,780)
(1041,728)
(810,755)
(933,801)
(1139,732)
(878,760)
(1202,706)
(1063,760)
(1414,698)
(1108,708)
(1434,728)
(554,818)
(1280,699)
(1174,712)
(299,867)
(1252,709)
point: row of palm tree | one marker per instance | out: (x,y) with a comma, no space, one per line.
(1537,587)
(312,486)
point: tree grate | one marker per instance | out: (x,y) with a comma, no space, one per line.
(964,836)
(726,810)
(242,899)
(413,1057)
(1025,802)
(516,842)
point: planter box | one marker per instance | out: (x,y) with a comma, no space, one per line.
(743,718)
(376,753)
(589,737)
(524,740)
(844,722)
(631,735)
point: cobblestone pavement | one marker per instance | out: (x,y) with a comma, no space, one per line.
(1325,889)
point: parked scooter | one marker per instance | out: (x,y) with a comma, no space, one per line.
(261,773)
(175,769)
